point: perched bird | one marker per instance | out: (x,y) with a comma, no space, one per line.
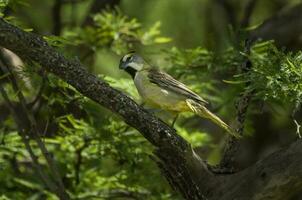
(160,90)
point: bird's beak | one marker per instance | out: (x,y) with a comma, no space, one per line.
(122,65)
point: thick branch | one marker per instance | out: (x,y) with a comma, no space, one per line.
(33,47)
(44,177)
(169,144)
(285,28)
(229,10)
(278,177)
(248,11)
(32,128)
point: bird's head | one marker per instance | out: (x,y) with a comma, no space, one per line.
(132,63)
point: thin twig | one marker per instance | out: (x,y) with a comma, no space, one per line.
(56,17)
(298,126)
(79,159)
(230,11)
(33,126)
(25,140)
(40,92)
(232,145)
(249,8)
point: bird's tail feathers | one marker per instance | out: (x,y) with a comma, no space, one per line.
(202,111)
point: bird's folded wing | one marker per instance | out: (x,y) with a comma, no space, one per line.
(167,82)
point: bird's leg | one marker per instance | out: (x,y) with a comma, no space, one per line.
(174,120)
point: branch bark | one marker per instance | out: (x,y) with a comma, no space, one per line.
(56,17)
(176,155)
(278,176)
(284,27)
(31,130)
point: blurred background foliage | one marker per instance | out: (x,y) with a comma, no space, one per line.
(196,41)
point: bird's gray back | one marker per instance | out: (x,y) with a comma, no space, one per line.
(167,82)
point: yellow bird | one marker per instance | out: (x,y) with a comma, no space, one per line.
(161,90)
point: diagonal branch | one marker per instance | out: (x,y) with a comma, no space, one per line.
(248,11)
(232,144)
(278,176)
(168,144)
(271,29)
(25,140)
(32,128)
(284,27)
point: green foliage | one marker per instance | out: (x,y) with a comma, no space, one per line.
(190,58)
(275,74)
(97,154)
(3,3)
(199,65)
(118,32)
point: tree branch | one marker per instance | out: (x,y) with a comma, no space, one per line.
(32,128)
(232,144)
(168,144)
(289,18)
(248,11)
(79,159)
(285,28)
(56,17)
(278,176)
(229,10)
(50,185)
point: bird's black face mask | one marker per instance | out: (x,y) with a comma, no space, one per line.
(124,65)
(131,71)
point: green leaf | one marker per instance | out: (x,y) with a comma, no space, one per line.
(234,82)
(28,29)
(161,40)
(57,41)
(28,184)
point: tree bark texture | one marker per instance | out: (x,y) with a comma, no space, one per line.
(278,176)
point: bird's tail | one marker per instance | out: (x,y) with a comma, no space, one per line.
(202,111)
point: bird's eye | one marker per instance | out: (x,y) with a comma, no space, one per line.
(129,59)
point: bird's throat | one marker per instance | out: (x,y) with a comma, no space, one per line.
(131,71)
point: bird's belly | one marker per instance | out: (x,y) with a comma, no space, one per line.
(161,98)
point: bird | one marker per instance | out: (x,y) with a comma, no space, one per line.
(160,90)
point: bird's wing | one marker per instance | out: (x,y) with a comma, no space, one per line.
(167,82)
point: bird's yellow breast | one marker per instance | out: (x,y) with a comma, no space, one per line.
(158,97)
